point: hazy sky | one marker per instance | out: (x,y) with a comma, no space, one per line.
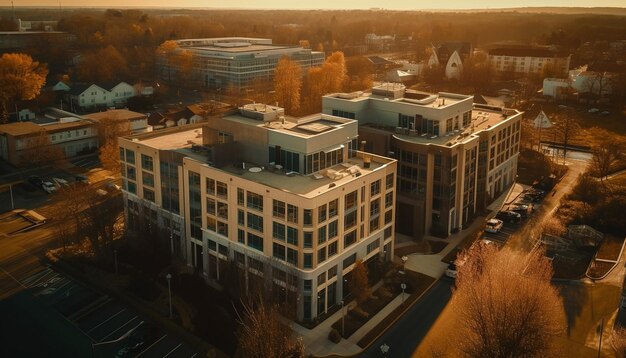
(324,4)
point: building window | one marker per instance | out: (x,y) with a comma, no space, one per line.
(321,255)
(240,196)
(349,239)
(292,235)
(332,249)
(388,216)
(308,239)
(210,186)
(349,261)
(255,201)
(255,222)
(321,213)
(131,173)
(321,235)
(292,213)
(278,251)
(388,232)
(241,236)
(210,206)
(222,190)
(351,200)
(278,209)
(292,256)
(332,230)
(308,260)
(130,156)
(222,210)
(147,179)
(389,181)
(307,217)
(332,272)
(146,163)
(349,220)
(255,242)
(278,231)
(148,194)
(375,188)
(373,246)
(333,208)
(389,199)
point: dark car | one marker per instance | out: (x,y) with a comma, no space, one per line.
(509,216)
(522,209)
(533,198)
(35,181)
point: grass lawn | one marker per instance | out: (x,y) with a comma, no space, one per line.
(610,248)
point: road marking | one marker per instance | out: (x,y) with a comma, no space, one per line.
(118,328)
(107,320)
(152,345)
(195,354)
(34,283)
(172,351)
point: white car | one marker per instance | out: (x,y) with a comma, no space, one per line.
(451,271)
(60,181)
(48,187)
(493,225)
(593,110)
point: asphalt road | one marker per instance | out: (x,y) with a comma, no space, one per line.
(404,336)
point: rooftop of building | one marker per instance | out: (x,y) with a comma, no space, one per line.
(526,51)
(233,45)
(483,117)
(17,129)
(116,115)
(397,92)
(187,141)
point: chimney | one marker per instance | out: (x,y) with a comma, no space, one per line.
(362,146)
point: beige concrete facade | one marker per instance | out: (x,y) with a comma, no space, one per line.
(245,208)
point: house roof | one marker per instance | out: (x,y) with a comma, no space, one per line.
(28,128)
(377,60)
(116,115)
(78,88)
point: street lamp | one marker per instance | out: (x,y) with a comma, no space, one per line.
(404,260)
(169,291)
(384,349)
(403,287)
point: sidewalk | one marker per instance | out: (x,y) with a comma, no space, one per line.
(316,340)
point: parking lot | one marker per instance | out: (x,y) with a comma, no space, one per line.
(102,322)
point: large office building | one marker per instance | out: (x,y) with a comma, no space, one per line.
(241,62)
(454,156)
(289,202)
(525,60)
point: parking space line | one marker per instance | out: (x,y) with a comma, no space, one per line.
(152,345)
(172,351)
(107,320)
(118,328)
(13,277)
(35,275)
(39,279)
(195,354)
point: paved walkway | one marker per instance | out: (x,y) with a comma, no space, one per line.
(316,340)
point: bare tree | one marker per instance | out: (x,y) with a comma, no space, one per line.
(262,334)
(505,305)
(359,284)
(605,156)
(565,128)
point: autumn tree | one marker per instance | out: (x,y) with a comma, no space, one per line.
(319,81)
(618,341)
(103,66)
(38,150)
(360,73)
(21,78)
(178,61)
(262,334)
(478,72)
(359,284)
(505,305)
(109,130)
(604,158)
(287,84)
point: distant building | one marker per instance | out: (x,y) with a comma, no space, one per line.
(18,41)
(241,62)
(557,88)
(86,96)
(524,60)
(70,132)
(454,157)
(138,122)
(451,55)
(377,43)
(589,86)
(37,25)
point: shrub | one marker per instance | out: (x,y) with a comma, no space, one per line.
(334,336)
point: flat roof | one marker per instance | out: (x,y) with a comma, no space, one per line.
(304,127)
(239,49)
(24,128)
(170,141)
(421,99)
(482,119)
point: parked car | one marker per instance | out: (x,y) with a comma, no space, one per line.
(605,113)
(48,187)
(451,271)
(522,209)
(593,110)
(60,182)
(533,198)
(35,181)
(509,216)
(493,225)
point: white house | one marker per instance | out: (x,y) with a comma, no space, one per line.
(60,86)
(454,67)
(90,96)
(556,88)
